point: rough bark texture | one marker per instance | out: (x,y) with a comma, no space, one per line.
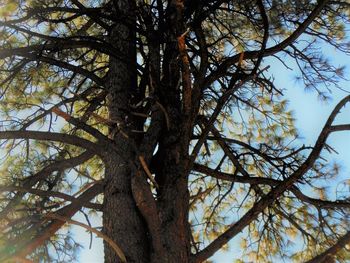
(121,219)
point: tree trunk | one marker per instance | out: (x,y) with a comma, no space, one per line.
(121,220)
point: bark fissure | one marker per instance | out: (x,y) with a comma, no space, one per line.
(121,218)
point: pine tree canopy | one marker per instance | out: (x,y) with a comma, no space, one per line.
(162,119)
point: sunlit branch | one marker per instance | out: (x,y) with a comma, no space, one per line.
(148,208)
(30,181)
(26,247)
(45,112)
(42,193)
(116,248)
(81,125)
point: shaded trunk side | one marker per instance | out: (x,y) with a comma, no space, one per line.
(121,220)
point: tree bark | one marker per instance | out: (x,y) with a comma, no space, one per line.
(121,220)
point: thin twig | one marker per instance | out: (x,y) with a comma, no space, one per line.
(116,248)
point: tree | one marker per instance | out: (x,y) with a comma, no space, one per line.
(162,116)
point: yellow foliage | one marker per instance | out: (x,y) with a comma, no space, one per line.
(244,243)
(9,8)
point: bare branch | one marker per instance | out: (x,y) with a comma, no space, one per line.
(116,248)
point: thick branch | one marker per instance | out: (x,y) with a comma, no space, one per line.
(52,136)
(237,178)
(146,204)
(340,204)
(11,188)
(326,204)
(81,125)
(340,244)
(62,44)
